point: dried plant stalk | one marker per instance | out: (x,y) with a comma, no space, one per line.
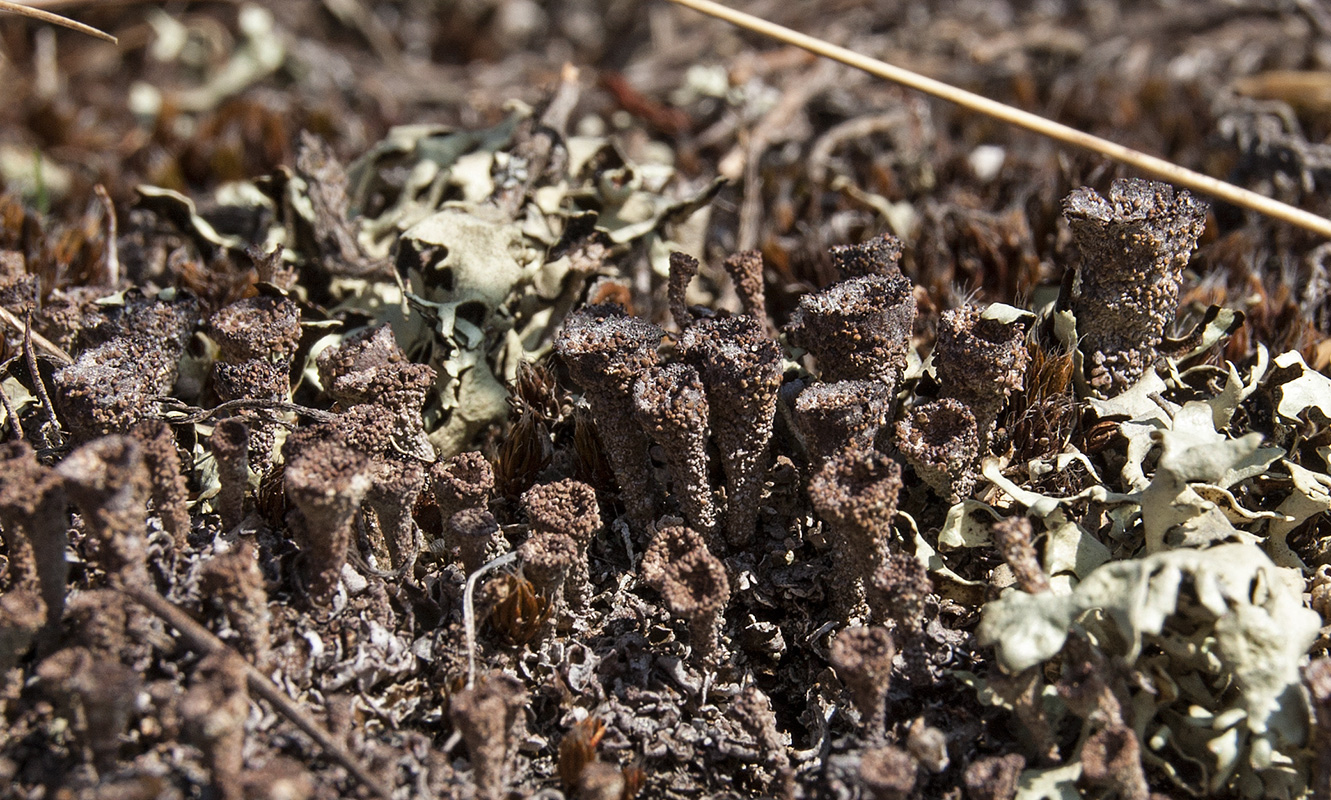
(1151,165)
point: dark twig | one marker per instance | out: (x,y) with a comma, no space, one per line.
(194,414)
(4,401)
(38,384)
(201,639)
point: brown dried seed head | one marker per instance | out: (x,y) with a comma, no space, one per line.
(858,329)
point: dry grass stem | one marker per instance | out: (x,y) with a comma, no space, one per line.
(55,19)
(1151,165)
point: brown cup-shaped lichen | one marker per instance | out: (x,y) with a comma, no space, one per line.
(397,483)
(106,479)
(567,508)
(746,273)
(682,269)
(940,441)
(234,580)
(368,368)
(214,711)
(994,777)
(96,694)
(167,480)
(900,590)
(605,352)
(1317,679)
(834,416)
(1012,537)
(230,445)
(856,492)
(476,535)
(32,503)
(461,482)
(980,361)
(1111,759)
(671,404)
(547,559)
(878,256)
(326,481)
(740,367)
(256,340)
(485,716)
(116,383)
(1134,244)
(753,710)
(858,329)
(888,773)
(863,661)
(692,582)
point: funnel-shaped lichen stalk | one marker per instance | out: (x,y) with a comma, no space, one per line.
(834,416)
(475,532)
(567,508)
(858,329)
(856,493)
(606,351)
(746,273)
(1134,246)
(980,361)
(461,482)
(682,269)
(398,482)
(671,404)
(32,503)
(878,256)
(230,444)
(107,481)
(741,370)
(485,715)
(167,480)
(326,481)
(256,339)
(863,661)
(940,441)
(693,584)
